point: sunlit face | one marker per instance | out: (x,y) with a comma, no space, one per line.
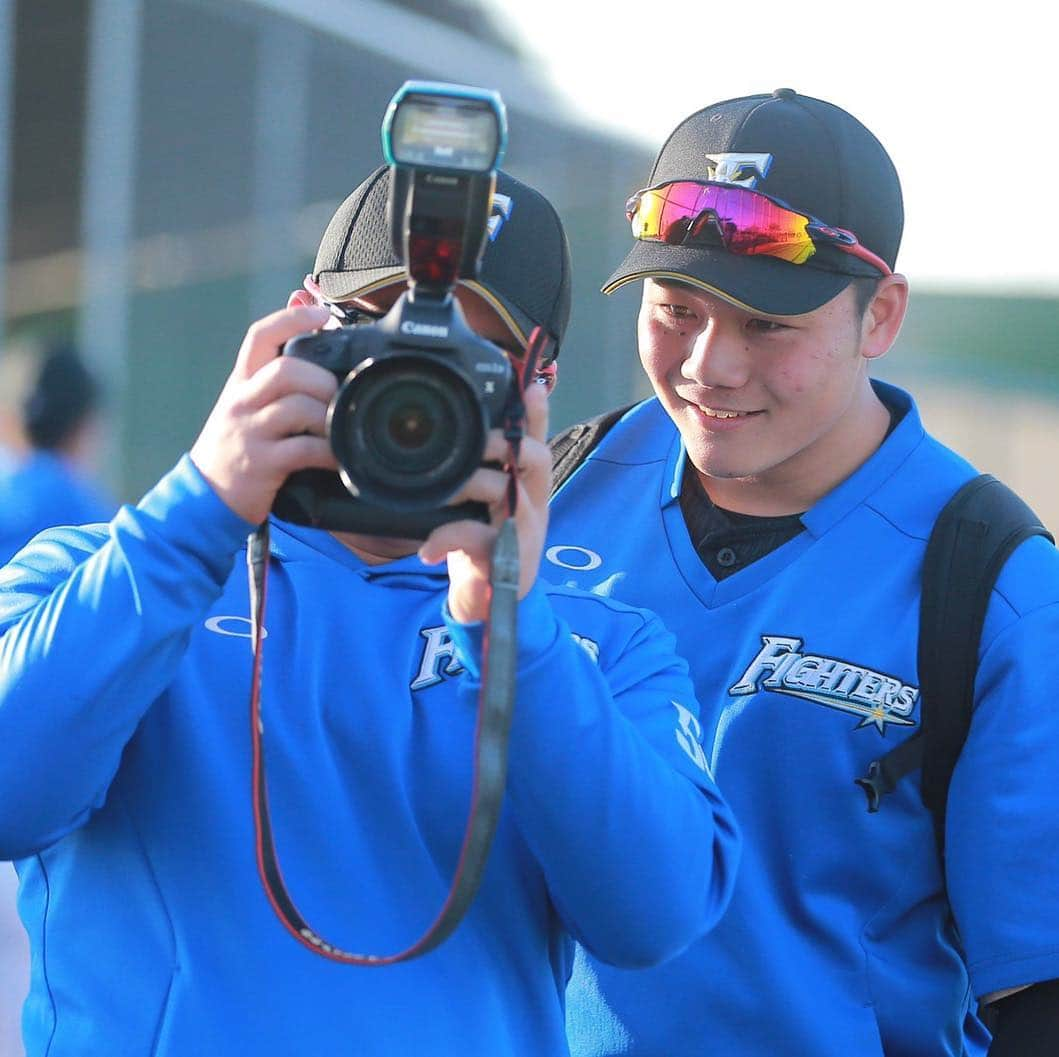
(773,410)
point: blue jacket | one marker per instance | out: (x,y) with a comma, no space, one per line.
(839,940)
(125,796)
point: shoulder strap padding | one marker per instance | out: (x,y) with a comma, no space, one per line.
(571,446)
(973,536)
(972,539)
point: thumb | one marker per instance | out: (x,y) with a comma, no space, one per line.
(472,538)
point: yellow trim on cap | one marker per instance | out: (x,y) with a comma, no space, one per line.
(681,277)
(491,299)
(472,284)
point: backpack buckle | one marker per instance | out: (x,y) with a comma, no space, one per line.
(875,785)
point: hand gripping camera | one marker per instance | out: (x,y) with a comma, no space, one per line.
(418,389)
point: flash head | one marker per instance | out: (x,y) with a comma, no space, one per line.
(445,126)
(443,143)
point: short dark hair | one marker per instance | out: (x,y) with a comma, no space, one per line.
(864,287)
(62,395)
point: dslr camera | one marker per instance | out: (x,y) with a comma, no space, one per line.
(417,390)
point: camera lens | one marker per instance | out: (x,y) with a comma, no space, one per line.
(411,426)
(407,432)
(408,422)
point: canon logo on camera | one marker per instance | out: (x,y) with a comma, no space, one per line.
(424,330)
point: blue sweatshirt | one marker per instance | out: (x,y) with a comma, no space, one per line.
(842,938)
(125,796)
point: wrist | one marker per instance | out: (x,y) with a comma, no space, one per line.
(538,628)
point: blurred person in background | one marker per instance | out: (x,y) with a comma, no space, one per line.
(125,757)
(774,503)
(50,407)
(51,432)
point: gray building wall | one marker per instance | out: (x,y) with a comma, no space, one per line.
(175,162)
(172,163)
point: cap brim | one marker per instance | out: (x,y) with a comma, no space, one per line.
(344,286)
(757,284)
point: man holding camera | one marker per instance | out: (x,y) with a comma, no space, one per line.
(776,503)
(126,770)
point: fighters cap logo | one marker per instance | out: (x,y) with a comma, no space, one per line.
(742,170)
(501,211)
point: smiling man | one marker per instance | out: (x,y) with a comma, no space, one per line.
(774,503)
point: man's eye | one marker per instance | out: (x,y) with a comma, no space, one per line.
(765,326)
(676,311)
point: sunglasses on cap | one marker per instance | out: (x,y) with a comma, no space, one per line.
(745,222)
(349,315)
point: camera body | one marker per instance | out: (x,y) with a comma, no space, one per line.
(418,390)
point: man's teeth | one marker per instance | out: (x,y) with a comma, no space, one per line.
(711,412)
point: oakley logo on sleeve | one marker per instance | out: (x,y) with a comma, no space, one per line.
(234,627)
(742,170)
(782,668)
(582,560)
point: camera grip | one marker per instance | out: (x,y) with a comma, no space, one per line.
(317,498)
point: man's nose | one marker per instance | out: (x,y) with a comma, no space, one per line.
(718,358)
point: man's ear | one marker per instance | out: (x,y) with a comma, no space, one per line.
(300,298)
(883,317)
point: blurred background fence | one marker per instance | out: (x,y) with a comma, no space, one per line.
(172,165)
(169,165)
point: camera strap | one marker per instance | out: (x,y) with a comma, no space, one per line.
(538,350)
(495,709)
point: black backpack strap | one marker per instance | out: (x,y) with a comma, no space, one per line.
(571,447)
(972,538)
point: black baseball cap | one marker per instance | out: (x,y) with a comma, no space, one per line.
(808,153)
(525,270)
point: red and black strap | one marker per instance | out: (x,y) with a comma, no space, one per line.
(495,710)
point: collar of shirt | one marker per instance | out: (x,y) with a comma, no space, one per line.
(727,541)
